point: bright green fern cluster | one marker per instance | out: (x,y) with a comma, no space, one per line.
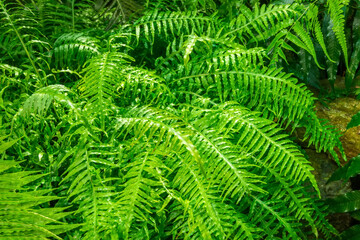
(173,126)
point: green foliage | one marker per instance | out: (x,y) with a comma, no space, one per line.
(348,202)
(174,124)
(341,58)
(351,169)
(20,214)
(355,121)
(345,203)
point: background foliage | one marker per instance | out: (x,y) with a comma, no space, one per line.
(165,119)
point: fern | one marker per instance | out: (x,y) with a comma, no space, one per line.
(337,17)
(176,124)
(174,23)
(41,100)
(73,50)
(13,28)
(20,216)
(243,85)
(100,76)
(137,202)
(142,85)
(263,22)
(88,189)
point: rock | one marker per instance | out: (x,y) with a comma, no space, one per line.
(324,167)
(339,113)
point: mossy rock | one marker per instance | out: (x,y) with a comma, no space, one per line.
(339,113)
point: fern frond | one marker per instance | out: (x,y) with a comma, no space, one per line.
(138,84)
(54,18)
(338,19)
(150,121)
(88,189)
(24,29)
(271,147)
(207,216)
(274,212)
(312,16)
(180,49)
(320,209)
(141,193)
(224,56)
(243,86)
(72,50)
(285,188)
(261,23)
(100,78)
(21,215)
(174,23)
(304,41)
(324,136)
(334,50)
(236,57)
(40,101)
(224,163)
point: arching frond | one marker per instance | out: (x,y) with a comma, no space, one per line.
(263,139)
(262,23)
(274,212)
(72,50)
(174,23)
(40,101)
(167,127)
(100,79)
(207,217)
(324,136)
(303,41)
(337,17)
(243,86)
(300,202)
(138,84)
(225,165)
(312,18)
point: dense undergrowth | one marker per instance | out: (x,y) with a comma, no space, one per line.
(161,119)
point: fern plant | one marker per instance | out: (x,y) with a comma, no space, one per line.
(20,215)
(175,125)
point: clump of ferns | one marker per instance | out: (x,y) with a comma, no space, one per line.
(192,150)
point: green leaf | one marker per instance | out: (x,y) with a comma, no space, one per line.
(347,202)
(352,233)
(355,121)
(6,145)
(354,65)
(351,169)
(20,211)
